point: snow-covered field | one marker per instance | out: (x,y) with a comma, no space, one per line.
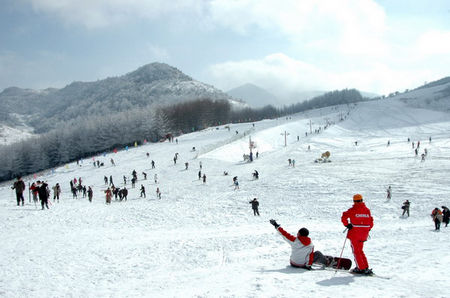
(202,240)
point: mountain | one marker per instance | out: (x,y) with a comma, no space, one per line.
(151,84)
(253,95)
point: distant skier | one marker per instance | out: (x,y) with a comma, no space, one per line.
(90,194)
(200,165)
(111,180)
(388,193)
(445,215)
(436,215)
(255,205)
(405,207)
(199,175)
(108,195)
(204,178)
(153,164)
(359,222)
(145,175)
(124,193)
(235,182)
(155,178)
(34,192)
(56,192)
(43,193)
(158,193)
(255,175)
(112,162)
(142,191)
(186,165)
(19,186)
(302,249)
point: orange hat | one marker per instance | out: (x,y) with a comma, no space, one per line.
(357,198)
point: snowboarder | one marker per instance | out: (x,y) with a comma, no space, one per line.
(90,194)
(388,193)
(405,207)
(359,222)
(255,205)
(302,249)
(436,214)
(446,214)
(142,191)
(19,186)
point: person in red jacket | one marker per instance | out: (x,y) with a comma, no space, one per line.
(359,222)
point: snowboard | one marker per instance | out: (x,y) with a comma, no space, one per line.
(343,263)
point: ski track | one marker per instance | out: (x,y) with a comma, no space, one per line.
(202,240)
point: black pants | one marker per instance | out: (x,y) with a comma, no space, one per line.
(19,197)
(405,210)
(44,202)
(255,212)
(437,224)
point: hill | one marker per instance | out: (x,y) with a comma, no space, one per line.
(201,239)
(254,96)
(152,84)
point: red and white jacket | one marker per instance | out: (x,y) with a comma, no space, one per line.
(361,219)
(302,253)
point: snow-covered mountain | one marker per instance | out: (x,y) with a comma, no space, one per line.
(202,240)
(254,96)
(155,83)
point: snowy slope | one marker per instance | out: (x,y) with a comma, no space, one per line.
(202,240)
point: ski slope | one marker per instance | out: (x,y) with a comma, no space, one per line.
(202,240)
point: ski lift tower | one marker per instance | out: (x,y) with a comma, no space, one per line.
(285,138)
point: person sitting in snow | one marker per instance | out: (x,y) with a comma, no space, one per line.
(302,253)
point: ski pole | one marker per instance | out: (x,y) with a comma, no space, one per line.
(342,251)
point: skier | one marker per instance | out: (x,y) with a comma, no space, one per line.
(293,163)
(204,178)
(111,180)
(361,222)
(446,214)
(255,174)
(56,192)
(153,164)
(142,191)
(255,205)
(186,164)
(43,194)
(302,253)
(84,191)
(90,193)
(200,164)
(112,162)
(199,175)
(155,178)
(290,161)
(405,207)
(145,175)
(133,182)
(235,182)
(436,214)
(104,178)
(158,193)
(124,180)
(108,195)
(124,193)
(388,193)
(33,189)
(19,186)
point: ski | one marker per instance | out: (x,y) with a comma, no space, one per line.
(318,268)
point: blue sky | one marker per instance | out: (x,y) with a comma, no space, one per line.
(283,46)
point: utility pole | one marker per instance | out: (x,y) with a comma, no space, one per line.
(310,126)
(285,138)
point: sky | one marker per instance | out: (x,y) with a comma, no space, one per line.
(283,46)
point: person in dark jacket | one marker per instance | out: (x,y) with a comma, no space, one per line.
(255,205)
(19,186)
(142,191)
(43,193)
(445,212)
(405,207)
(90,194)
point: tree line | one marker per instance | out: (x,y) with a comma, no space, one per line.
(90,135)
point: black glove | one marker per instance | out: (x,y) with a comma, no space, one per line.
(274,223)
(349,226)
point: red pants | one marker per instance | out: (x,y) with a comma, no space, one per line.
(358,253)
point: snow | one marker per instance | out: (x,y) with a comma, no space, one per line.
(202,240)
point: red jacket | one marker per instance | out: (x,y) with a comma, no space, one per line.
(361,219)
